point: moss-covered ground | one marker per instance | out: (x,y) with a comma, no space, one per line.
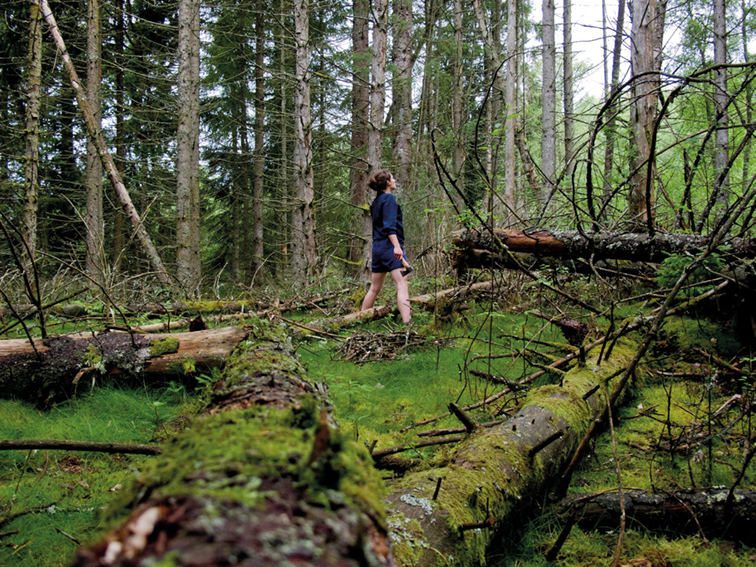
(665,436)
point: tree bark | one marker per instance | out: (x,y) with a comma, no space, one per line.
(31,159)
(187,149)
(95,260)
(259,171)
(261,476)
(377,85)
(721,152)
(359,245)
(691,512)
(50,369)
(638,247)
(548,114)
(304,255)
(641,198)
(402,94)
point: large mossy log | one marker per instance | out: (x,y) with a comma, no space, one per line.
(497,472)
(481,248)
(47,370)
(259,478)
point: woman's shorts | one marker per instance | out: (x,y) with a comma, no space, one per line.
(383,257)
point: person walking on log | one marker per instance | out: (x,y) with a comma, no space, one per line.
(388,244)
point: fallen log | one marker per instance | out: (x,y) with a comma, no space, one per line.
(47,370)
(259,478)
(66,445)
(705,512)
(636,247)
(453,513)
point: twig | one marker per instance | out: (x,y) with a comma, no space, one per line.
(46,444)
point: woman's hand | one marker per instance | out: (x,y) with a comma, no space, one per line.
(398,254)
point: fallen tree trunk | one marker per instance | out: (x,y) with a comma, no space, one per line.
(636,247)
(65,445)
(453,513)
(44,371)
(260,478)
(675,513)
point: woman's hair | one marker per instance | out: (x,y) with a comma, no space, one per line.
(380,180)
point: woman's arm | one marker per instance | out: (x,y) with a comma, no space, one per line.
(398,254)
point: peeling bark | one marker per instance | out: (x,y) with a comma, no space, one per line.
(637,247)
(50,369)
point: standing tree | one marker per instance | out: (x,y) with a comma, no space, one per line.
(646,96)
(510,102)
(377,85)
(187,158)
(31,163)
(359,246)
(95,227)
(721,153)
(402,92)
(548,110)
(304,253)
(259,158)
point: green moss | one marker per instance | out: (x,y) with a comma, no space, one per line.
(160,347)
(226,456)
(407,539)
(184,366)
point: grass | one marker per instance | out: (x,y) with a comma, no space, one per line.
(59,493)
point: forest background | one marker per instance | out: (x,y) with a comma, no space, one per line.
(243,134)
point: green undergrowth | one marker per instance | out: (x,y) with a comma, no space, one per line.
(45,495)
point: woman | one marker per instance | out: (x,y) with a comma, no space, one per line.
(388,240)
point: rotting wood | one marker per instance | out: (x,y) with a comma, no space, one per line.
(703,512)
(639,247)
(261,476)
(494,472)
(50,376)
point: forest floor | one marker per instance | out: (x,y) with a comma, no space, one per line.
(687,425)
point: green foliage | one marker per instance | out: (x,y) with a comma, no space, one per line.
(673,265)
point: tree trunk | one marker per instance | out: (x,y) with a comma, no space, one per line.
(31,159)
(258,184)
(611,129)
(402,94)
(454,513)
(377,85)
(696,512)
(303,249)
(261,477)
(119,240)
(187,149)
(510,102)
(548,114)
(638,247)
(458,155)
(95,261)
(569,110)
(115,177)
(50,369)
(641,198)
(359,245)
(721,151)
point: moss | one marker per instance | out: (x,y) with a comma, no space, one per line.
(407,539)
(230,455)
(184,366)
(167,345)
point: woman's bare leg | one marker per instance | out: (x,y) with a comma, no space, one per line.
(376,283)
(402,295)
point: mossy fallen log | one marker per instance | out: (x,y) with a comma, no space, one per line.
(259,478)
(452,515)
(45,371)
(705,512)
